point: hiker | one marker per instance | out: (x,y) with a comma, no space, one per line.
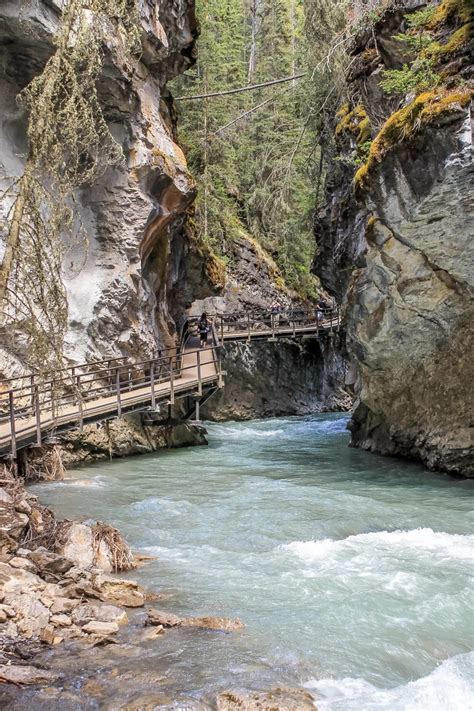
(275,310)
(204,326)
(320,308)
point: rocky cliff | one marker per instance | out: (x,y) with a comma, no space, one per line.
(143,266)
(396,238)
(265,379)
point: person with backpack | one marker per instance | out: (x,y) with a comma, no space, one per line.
(204,326)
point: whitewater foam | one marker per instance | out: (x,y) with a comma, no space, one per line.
(449,686)
(421,539)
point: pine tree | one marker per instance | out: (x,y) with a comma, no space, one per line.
(253,177)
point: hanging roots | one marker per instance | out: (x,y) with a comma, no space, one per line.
(69,146)
(122,556)
(44,530)
(41,464)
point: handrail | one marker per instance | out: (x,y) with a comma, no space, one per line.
(73,395)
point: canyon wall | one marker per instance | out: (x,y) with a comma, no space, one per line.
(144,268)
(265,378)
(396,239)
(143,265)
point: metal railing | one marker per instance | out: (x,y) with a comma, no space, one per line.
(32,404)
(75,396)
(275,324)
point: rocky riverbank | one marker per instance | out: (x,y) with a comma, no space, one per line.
(59,591)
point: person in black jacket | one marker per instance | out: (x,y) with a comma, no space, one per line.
(204,326)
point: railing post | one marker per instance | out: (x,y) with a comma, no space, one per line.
(338,318)
(197,413)
(117,389)
(272,318)
(294,327)
(152,385)
(37,416)
(220,381)
(248,327)
(222,330)
(171,382)
(199,372)
(32,387)
(12,423)
(331,320)
(52,399)
(80,403)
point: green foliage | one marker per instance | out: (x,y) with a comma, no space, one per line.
(420,76)
(421,18)
(415,42)
(253,177)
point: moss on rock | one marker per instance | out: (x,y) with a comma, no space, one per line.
(451,9)
(437,50)
(403,124)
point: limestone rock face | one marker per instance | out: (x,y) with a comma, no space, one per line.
(410,310)
(267,379)
(132,434)
(140,251)
(406,266)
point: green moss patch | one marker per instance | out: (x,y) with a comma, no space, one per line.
(406,122)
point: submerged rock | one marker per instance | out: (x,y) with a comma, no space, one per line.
(88,612)
(15,674)
(167,620)
(280,699)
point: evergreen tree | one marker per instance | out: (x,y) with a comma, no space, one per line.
(254,176)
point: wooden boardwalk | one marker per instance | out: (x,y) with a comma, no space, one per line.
(33,411)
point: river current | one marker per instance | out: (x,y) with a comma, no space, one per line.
(351,572)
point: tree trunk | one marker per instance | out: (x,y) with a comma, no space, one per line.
(253,41)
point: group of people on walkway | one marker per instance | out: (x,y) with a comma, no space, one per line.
(276,311)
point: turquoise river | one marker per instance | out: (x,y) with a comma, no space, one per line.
(351,572)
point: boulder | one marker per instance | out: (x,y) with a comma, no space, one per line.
(15,674)
(16,580)
(60,621)
(80,549)
(23,507)
(122,592)
(23,552)
(63,604)
(18,562)
(101,628)
(101,613)
(31,615)
(78,546)
(49,562)
(274,700)
(221,624)
(163,619)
